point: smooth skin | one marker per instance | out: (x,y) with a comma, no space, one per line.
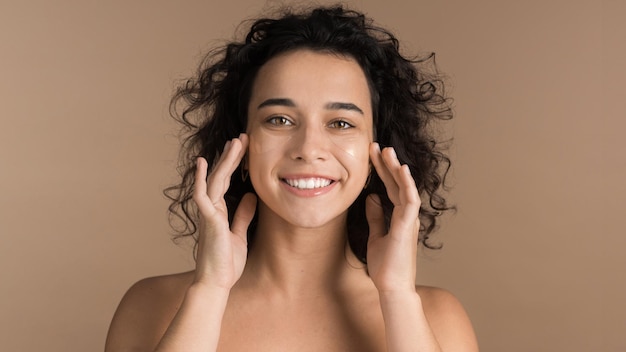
(299,288)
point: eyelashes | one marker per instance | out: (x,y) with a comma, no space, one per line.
(341,124)
(281,120)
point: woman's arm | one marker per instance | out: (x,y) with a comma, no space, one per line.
(197,325)
(222,253)
(221,257)
(414,321)
(427,319)
(406,326)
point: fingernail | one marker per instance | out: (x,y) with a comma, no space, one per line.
(393,152)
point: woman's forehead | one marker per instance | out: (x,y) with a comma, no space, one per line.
(306,75)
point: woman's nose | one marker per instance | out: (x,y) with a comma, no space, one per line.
(310,143)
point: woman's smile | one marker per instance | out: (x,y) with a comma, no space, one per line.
(308,186)
(308,182)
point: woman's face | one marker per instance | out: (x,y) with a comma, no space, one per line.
(310,127)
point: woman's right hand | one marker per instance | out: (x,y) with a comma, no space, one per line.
(222,247)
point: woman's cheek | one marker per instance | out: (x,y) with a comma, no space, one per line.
(355,147)
(263,141)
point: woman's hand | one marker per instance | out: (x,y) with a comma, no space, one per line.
(391,257)
(222,247)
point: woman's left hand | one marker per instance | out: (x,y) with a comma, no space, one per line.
(392,257)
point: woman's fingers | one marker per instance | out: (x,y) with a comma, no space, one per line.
(209,191)
(407,190)
(200,186)
(400,187)
(375,217)
(376,156)
(200,177)
(398,181)
(219,179)
(243,216)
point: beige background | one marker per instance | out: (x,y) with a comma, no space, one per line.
(535,252)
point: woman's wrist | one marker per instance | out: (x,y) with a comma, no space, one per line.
(406,326)
(401,297)
(397,289)
(204,290)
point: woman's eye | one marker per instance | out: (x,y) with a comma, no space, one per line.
(279,121)
(341,124)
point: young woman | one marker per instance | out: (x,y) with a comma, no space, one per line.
(309,150)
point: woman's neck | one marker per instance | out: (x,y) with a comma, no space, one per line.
(296,262)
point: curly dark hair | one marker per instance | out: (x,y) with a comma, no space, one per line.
(407,96)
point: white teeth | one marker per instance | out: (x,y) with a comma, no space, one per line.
(308,183)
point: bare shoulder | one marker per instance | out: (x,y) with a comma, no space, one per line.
(146,311)
(448,319)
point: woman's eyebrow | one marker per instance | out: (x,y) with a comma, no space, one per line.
(277,102)
(343,106)
(330,106)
